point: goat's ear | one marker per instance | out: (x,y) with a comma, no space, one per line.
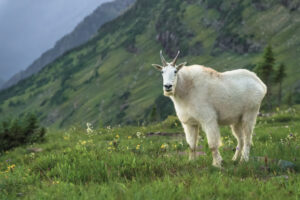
(178,67)
(158,67)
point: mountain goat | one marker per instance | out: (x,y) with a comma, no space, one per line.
(203,96)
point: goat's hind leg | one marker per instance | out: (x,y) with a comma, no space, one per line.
(191,135)
(248,123)
(237,131)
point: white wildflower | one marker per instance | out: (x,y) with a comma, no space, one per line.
(89,129)
(138,134)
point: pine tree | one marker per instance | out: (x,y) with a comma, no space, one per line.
(265,70)
(279,76)
(153,115)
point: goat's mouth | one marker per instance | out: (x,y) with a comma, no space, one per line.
(168,92)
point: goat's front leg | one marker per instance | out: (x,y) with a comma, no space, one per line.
(191,135)
(212,132)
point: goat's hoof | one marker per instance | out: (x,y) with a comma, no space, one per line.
(192,158)
(244,160)
(219,165)
(234,158)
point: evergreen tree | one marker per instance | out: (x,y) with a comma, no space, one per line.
(289,99)
(24,130)
(279,76)
(30,124)
(265,70)
(153,115)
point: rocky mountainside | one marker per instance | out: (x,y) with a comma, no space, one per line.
(110,80)
(82,33)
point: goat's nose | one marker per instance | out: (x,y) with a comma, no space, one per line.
(168,86)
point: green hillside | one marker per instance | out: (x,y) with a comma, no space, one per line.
(109,80)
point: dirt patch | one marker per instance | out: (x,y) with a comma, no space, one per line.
(34,150)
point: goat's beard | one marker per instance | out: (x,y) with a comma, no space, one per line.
(168,93)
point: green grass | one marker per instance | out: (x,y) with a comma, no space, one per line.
(126,163)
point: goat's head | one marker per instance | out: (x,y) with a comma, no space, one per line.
(169,74)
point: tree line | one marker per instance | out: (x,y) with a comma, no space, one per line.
(20,131)
(272,75)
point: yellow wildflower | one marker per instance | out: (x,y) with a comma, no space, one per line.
(163,146)
(138,147)
(117,136)
(221,143)
(66,137)
(110,143)
(83,142)
(129,137)
(11,167)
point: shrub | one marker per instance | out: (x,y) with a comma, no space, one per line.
(22,131)
(171,122)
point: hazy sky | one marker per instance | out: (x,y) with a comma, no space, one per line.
(30,27)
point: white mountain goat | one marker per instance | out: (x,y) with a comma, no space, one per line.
(203,96)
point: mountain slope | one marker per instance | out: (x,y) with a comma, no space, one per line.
(82,33)
(109,80)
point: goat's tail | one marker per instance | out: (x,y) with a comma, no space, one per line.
(263,85)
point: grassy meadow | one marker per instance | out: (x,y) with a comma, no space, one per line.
(151,162)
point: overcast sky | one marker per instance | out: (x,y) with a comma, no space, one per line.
(30,27)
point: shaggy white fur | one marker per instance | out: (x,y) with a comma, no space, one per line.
(204,97)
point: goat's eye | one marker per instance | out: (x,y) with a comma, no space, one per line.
(175,71)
